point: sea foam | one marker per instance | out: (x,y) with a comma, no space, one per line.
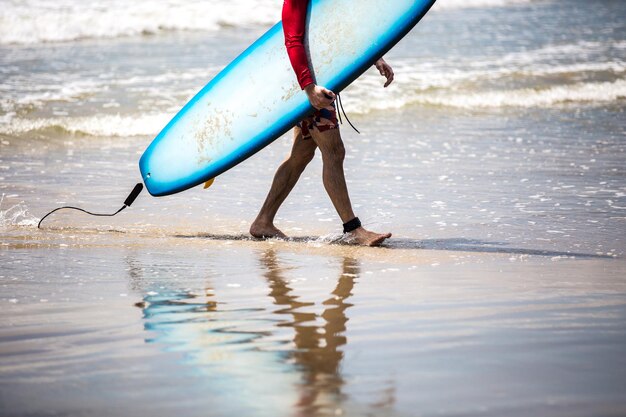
(106,125)
(116,125)
(592,93)
(37,21)
(585,93)
(16,215)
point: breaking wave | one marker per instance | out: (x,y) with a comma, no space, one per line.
(116,125)
(38,21)
(98,125)
(592,93)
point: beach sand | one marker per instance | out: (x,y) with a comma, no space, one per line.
(119,324)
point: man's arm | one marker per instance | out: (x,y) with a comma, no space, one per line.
(294,26)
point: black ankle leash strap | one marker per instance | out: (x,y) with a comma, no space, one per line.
(352,225)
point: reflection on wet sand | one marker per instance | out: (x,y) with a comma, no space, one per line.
(232,344)
(317,352)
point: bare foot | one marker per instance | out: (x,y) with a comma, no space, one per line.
(364,237)
(266,231)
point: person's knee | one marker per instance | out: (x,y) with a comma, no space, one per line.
(302,158)
(334,151)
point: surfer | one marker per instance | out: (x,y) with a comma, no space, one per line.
(321,130)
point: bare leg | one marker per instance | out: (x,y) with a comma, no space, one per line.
(285,179)
(333,155)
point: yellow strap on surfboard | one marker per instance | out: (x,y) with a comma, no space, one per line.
(209,183)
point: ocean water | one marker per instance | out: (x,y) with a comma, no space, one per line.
(497,159)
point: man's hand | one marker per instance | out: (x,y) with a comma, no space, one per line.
(319,96)
(385,70)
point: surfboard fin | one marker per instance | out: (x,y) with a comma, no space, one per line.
(208,183)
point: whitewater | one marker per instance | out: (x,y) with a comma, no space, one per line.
(37,21)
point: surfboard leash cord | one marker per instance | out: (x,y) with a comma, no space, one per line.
(127,203)
(341,110)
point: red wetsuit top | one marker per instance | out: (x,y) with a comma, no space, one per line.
(294,26)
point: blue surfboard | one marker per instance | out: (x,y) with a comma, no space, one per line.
(256,98)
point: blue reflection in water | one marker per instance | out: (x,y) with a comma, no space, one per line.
(253,365)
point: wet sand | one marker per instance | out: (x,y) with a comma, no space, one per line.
(208,325)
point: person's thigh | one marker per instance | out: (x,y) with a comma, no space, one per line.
(302,146)
(329,142)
